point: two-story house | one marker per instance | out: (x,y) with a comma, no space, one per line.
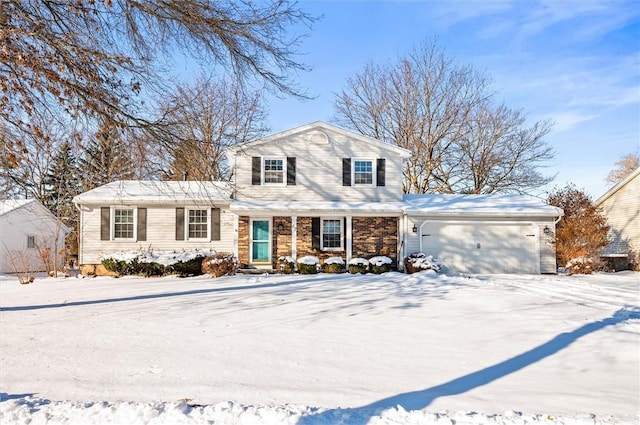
(318,190)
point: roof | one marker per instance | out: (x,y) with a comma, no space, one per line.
(322,207)
(479,205)
(609,193)
(319,126)
(150,191)
(8,205)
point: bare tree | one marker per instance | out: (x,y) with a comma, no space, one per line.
(95,58)
(203,120)
(435,108)
(625,166)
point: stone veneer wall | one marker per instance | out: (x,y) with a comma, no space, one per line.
(243,241)
(375,236)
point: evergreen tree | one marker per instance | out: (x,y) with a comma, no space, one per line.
(582,232)
(105,159)
(60,184)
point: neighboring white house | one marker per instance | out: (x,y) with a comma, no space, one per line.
(319,190)
(621,206)
(27,229)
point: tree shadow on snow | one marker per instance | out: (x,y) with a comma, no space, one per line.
(417,400)
(160,295)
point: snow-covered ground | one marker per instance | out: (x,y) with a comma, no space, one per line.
(322,349)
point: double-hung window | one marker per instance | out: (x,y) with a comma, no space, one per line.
(31,242)
(363,172)
(123,223)
(331,234)
(274,170)
(198,224)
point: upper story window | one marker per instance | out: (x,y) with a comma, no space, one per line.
(31,242)
(198,224)
(363,172)
(123,223)
(273,171)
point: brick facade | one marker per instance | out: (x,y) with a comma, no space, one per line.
(371,236)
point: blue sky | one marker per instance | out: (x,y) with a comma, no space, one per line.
(576,62)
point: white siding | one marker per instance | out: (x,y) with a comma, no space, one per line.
(15,227)
(622,210)
(161,223)
(544,244)
(319,170)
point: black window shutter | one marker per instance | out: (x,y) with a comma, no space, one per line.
(315,232)
(291,171)
(215,224)
(380,174)
(346,171)
(179,224)
(142,224)
(256,169)
(105,223)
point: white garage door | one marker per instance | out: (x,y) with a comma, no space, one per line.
(483,247)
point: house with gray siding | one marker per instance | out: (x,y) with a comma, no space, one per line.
(325,191)
(621,206)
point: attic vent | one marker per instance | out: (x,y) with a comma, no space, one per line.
(319,138)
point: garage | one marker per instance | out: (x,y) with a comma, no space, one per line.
(482,247)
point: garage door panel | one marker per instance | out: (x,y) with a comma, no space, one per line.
(482,247)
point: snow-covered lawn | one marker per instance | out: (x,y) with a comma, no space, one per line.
(322,349)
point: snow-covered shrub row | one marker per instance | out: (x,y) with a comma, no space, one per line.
(419,261)
(308,264)
(358,265)
(220,264)
(380,264)
(156,263)
(285,264)
(333,265)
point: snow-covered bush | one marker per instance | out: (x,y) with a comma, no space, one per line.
(380,264)
(333,265)
(580,265)
(285,264)
(308,264)
(153,263)
(419,261)
(220,264)
(358,265)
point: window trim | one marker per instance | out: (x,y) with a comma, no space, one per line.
(134,224)
(187,210)
(340,221)
(374,171)
(263,167)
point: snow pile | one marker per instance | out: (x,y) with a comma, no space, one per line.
(359,261)
(309,260)
(321,349)
(334,260)
(380,261)
(166,258)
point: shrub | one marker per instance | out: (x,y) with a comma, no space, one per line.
(113,265)
(582,265)
(285,264)
(358,265)
(192,267)
(418,261)
(380,264)
(333,265)
(308,264)
(133,266)
(151,269)
(220,264)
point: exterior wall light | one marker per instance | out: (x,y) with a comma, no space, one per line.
(415,229)
(546,230)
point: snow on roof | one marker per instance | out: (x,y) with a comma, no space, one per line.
(318,207)
(512,205)
(157,191)
(8,205)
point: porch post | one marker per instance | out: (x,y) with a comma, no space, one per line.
(294,236)
(349,247)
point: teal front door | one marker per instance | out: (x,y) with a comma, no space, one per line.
(260,241)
